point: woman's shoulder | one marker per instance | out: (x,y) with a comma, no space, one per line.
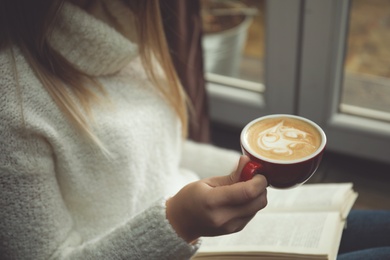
(9,93)
(21,92)
(13,67)
(7,65)
(10,56)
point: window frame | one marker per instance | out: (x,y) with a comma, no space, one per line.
(301,80)
(325,28)
(235,106)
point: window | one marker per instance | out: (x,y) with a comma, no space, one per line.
(233,40)
(326,60)
(366,82)
(268,57)
(326,92)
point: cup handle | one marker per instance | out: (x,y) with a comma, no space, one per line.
(250,169)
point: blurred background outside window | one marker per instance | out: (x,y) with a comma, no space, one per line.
(233,40)
(366,86)
(328,60)
(233,44)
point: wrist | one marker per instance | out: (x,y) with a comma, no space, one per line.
(180,222)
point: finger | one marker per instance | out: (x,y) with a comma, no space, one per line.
(229,179)
(252,207)
(246,211)
(235,176)
(237,224)
(240,192)
(228,227)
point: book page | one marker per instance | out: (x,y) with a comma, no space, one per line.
(313,197)
(313,233)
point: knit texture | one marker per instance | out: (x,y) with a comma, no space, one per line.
(60,197)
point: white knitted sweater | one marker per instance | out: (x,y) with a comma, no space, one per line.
(60,198)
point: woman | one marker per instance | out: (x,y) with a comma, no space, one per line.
(94,163)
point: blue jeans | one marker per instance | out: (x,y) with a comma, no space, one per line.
(366,236)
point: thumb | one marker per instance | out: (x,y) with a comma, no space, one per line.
(235,175)
(231,178)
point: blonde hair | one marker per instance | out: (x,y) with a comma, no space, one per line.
(29,30)
(154,45)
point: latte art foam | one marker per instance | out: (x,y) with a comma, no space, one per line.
(283,138)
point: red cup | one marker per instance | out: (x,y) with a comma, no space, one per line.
(281,173)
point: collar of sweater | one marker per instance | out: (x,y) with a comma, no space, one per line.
(89,44)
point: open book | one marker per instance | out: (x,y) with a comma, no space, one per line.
(305,222)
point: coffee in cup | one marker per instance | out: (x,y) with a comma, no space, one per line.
(286,149)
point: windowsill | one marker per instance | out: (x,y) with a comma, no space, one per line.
(233,106)
(367,126)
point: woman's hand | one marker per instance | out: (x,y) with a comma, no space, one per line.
(217,205)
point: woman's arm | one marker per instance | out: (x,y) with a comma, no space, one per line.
(36,224)
(35,220)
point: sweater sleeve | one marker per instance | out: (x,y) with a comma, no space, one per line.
(35,222)
(146,236)
(208,160)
